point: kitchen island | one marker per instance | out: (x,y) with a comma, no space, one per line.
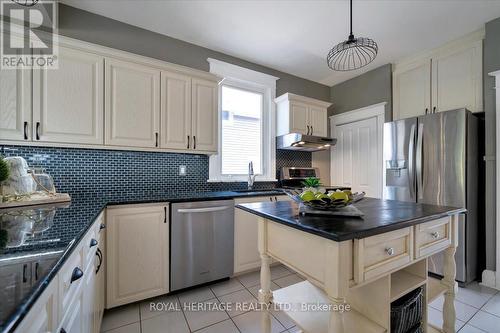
(359,265)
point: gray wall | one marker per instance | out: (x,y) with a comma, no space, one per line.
(101,30)
(369,88)
(491,63)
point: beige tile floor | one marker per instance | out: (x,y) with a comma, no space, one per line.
(477,308)
(138,317)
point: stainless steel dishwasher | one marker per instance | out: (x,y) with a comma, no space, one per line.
(202,242)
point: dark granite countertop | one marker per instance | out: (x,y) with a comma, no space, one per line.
(48,234)
(380,216)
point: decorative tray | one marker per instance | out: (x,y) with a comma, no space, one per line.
(37,198)
(324,205)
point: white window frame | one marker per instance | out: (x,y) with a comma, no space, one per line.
(247,79)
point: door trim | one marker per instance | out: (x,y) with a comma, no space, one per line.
(372,111)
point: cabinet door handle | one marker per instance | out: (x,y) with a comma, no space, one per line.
(194,141)
(426,110)
(93,242)
(390,251)
(76,275)
(38,130)
(165,218)
(434,110)
(102,226)
(156,139)
(62,330)
(312,130)
(25,130)
(25,268)
(435,235)
(99,255)
(36,270)
(189,139)
(307,129)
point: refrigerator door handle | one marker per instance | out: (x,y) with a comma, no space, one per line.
(411,161)
(419,161)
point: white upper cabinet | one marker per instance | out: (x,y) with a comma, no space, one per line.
(412,90)
(132,94)
(443,79)
(318,121)
(204,115)
(68,102)
(175,111)
(103,97)
(15,104)
(298,114)
(457,79)
(298,122)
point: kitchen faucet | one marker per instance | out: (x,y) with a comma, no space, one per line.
(251,176)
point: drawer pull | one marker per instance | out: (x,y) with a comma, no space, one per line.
(99,255)
(435,235)
(93,242)
(62,330)
(389,251)
(102,226)
(77,274)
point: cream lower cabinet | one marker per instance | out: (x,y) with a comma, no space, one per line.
(132,104)
(246,254)
(43,316)
(68,102)
(72,302)
(137,243)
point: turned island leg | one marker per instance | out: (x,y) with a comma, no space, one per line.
(450,271)
(265,293)
(337,283)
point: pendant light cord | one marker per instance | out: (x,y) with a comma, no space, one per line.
(351,19)
(351,36)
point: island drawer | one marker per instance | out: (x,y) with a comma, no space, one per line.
(380,254)
(432,237)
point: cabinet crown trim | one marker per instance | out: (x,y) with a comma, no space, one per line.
(303,99)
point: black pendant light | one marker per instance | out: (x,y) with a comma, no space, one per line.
(26,3)
(353,53)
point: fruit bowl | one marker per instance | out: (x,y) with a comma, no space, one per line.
(322,201)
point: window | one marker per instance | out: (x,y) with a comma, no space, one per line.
(241,131)
(246,124)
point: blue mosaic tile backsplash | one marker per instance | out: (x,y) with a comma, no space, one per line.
(118,172)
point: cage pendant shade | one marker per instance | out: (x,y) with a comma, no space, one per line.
(26,3)
(353,53)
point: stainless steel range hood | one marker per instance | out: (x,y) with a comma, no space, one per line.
(302,142)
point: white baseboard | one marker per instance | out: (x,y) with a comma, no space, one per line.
(489,279)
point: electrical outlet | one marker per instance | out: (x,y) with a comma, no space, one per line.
(182,170)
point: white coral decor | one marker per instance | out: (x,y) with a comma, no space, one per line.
(20,181)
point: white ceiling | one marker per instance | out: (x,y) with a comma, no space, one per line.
(295,36)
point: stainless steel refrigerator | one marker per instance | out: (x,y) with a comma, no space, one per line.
(435,159)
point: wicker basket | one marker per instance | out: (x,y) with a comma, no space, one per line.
(406,312)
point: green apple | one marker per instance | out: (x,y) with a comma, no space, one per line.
(340,196)
(307,196)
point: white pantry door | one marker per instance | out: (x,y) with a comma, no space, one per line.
(355,157)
